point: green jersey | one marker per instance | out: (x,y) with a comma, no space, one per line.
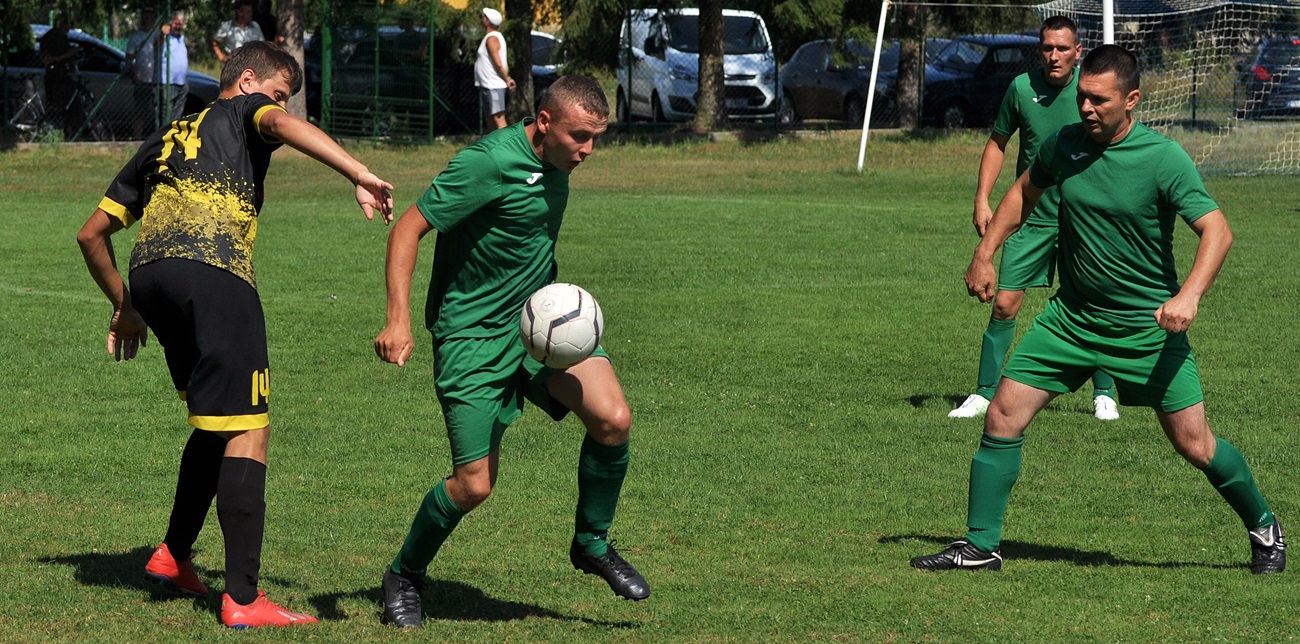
(497,208)
(1117,215)
(1038,110)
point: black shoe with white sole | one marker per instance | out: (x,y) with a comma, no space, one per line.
(960,554)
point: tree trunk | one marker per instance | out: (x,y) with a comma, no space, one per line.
(519,47)
(711,103)
(909,66)
(290,27)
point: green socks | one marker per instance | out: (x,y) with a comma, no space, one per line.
(433,523)
(993,472)
(1103,384)
(601,470)
(1230,475)
(993,351)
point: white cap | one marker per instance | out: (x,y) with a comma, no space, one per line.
(493,16)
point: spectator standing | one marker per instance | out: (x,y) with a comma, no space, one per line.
(233,34)
(175,65)
(142,56)
(59,56)
(491,75)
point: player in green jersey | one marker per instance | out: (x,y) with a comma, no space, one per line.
(1038,103)
(196,187)
(1120,306)
(497,210)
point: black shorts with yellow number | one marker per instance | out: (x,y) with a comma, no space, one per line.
(213,333)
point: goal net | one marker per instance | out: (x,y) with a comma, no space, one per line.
(1220,77)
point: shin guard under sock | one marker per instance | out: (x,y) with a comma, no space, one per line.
(993,472)
(993,352)
(437,517)
(601,470)
(1231,476)
(196,485)
(241,508)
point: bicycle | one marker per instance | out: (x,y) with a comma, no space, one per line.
(32,122)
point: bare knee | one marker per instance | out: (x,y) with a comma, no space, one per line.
(1006,304)
(469,490)
(1198,452)
(613,427)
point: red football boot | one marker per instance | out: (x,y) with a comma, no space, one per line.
(175,575)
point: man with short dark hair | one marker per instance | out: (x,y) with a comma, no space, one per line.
(196,187)
(1120,306)
(497,210)
(1038,103)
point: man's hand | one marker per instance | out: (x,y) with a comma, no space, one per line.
(983,214)
(981,280)
(374,194)
(1176,315)
(127,332)
(394,344)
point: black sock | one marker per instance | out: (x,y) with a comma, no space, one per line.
(196,484)
(241,508)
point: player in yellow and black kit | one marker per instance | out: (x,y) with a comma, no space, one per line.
(196,187)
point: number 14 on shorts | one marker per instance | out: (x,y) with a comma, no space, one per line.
(261,385)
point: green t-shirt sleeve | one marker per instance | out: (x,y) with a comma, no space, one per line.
(1181,186)
(1042,168)
(471,181)
(1008,120)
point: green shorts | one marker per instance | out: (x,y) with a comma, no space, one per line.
(1028,259)
(1152,367)
(482,384)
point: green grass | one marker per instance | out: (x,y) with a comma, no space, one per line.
(791,334)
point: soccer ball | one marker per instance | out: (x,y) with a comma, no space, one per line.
(561,325)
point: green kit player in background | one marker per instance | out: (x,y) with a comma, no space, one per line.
(196,187)
(1038,103)
(1120,306)
(497,210)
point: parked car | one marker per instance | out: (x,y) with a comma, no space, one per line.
(828,79)
(659,64)
(1269,85)
(102,67)
(546,63)
(966,80)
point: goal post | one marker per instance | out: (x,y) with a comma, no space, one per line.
(1220,77)
(1198,83)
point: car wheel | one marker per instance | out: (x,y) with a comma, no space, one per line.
(788,114)
(854,110)
(657,108)
(953,115)
(621,108)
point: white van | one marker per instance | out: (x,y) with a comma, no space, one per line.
(659,63)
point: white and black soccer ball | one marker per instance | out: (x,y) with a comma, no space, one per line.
(561,325)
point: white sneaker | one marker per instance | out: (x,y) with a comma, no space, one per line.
(974,407)
(1105,408)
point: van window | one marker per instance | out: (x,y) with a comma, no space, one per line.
(740,34)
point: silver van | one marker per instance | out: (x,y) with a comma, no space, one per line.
(659,66)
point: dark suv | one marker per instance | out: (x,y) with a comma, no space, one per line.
(1269,85)
(965,81)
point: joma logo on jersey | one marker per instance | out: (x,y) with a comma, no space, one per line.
(261,386)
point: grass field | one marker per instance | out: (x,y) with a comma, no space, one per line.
(791,335)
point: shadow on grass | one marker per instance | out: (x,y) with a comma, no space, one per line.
(126,570)
(1013,550)
(919,400)
(449,600)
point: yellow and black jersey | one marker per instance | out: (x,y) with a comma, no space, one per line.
(196,186)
